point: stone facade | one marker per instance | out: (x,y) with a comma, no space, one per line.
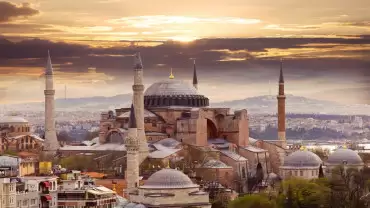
(171,198)
(132,172)
(138,102)
(305,173)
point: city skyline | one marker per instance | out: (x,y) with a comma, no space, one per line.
(237,47)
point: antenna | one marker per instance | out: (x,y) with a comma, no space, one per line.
(65,92)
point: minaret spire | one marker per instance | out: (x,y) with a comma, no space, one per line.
(171,75)
(51,144)
(49,66)
(281,108)
(138,103)
(195,78)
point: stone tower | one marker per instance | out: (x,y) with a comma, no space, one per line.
(51,144)
(138,102)
(132,148)
(195,78)
(281,108)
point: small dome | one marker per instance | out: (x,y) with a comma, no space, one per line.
(168,179)
(12,119)
(171,87)
(302,158)
(341,156)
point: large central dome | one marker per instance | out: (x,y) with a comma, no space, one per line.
(171,87)
(173,93)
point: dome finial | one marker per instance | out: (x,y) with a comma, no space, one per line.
(168,164)
(171,75)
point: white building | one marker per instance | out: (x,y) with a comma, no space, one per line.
(169,188)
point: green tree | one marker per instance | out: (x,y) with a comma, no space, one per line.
(347,187)
(253,201)
(299,193)
(321,172)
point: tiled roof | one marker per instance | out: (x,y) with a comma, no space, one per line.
(159,154)
(233,155)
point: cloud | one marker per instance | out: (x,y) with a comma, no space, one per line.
(159,20)
(248,62)
(9,11)
(291,27)
(365,24)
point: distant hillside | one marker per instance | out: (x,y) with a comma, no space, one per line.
(294,104)
(254,105)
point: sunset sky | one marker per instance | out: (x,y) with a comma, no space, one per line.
(237,45)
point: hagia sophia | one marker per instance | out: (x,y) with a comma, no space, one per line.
(172,129)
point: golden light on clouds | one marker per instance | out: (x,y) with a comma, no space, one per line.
(160,20)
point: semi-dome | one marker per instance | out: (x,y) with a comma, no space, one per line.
(12,119)
(302,158)
(344,156)
(173,92)
(168,179)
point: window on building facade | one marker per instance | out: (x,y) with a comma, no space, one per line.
(301,173)
(313,173)
(296,173)
(33,201)
(19,203)
(25,203)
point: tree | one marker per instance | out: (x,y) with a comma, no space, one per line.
(299,193)
(320,152)
(321,172)
(347,187)
(252,201)
(289,197)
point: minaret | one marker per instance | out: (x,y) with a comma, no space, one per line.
(138,101)
(281,107)
(133,155)
(195,78)
(51,144)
